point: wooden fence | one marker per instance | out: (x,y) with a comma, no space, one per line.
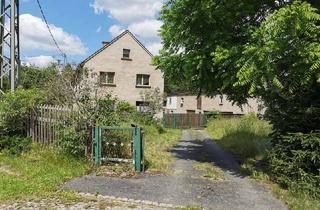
(183,121)
(44,121)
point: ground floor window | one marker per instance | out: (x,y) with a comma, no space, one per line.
(142,106)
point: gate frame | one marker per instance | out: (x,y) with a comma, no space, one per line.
(137,138)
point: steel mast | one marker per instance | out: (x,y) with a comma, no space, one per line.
(9,44)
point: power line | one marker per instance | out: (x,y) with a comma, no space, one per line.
(51,34)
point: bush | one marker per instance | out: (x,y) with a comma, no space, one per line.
(15,109)
(295,162)
(15,145)
(72,141)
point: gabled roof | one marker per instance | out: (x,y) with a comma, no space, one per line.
(113,41)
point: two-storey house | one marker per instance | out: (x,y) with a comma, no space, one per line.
(123,68)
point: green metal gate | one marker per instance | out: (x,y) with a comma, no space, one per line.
(119,144)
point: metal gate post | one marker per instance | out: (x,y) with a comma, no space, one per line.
(137,144)
(174,120)
(97,145)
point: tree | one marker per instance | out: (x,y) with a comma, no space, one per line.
(202,40)
(282,65)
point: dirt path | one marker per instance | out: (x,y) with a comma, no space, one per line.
(187,186)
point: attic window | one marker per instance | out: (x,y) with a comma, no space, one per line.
(126,54)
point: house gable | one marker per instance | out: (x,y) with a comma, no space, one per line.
(115,40)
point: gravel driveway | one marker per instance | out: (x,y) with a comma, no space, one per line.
(187,186)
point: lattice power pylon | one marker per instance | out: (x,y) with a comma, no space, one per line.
(9,45)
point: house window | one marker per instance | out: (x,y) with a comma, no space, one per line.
(142,106)
(126,54)
(107,78)
(143,80)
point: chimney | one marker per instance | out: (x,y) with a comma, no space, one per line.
(105,43)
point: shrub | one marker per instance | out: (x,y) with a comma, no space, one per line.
(295,161)
(71,140)
(15,109)
(15,145)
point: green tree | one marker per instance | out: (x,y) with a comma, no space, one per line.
(33,77)
(282,65)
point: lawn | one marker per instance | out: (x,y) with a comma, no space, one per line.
(247,139)
(38,173)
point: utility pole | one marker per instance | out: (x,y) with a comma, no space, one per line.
(9,44)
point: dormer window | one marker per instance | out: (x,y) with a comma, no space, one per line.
(126,54)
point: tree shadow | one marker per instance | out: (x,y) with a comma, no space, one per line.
(207,151)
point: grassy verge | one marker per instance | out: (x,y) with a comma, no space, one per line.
(247,138)
(157,147)
(37,173)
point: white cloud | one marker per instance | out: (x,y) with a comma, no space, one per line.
(39,61)
(147,29)
(115,30)
(128,11)
(138,16)
(154,47)
(34,35)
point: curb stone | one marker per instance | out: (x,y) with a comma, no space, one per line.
(145,202)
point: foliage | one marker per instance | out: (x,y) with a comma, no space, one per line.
(39,172)
(154,101)
(295,162)
(200,51)
(15,145)
(287,79)
(72,140)
(33,77)
(15,109)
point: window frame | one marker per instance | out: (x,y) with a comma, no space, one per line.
(107,75)
(128,53)
(143,78)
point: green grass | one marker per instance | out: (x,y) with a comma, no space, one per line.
(157,146)
(38,173)
(247,138)
(209,171)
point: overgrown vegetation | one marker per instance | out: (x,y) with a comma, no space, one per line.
(245,137)
(248,139)
(157,148)
(38,173)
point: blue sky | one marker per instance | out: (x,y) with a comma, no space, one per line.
(80,25)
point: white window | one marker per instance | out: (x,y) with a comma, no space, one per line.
(107,78)
(143,80)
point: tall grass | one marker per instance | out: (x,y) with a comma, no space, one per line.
(157,146)
(37,173)
(245,137)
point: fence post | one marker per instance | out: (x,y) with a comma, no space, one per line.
(97,145)
(174,120)
(137,144)
(164,119)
